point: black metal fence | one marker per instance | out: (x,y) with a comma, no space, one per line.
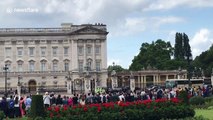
(39,89)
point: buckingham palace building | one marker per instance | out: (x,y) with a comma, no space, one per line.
(71,58)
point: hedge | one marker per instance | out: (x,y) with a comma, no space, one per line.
(37,107)
(196,100)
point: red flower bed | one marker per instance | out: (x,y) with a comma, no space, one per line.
(57,111)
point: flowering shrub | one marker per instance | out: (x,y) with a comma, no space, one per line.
(137,110)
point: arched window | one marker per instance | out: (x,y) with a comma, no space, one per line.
(20,66)
(31,65)
(66,65)
(43,65)
(55,65)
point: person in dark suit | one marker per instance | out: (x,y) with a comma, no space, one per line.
(4,106)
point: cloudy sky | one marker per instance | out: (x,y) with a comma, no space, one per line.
(129,22)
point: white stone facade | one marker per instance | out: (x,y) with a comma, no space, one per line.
(43,57)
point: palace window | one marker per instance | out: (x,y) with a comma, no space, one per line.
(66,51)
(20,51)
(55,51)
(8,52)
(97,49)
(80,50)
(31,66)
(89,50)
(43,51)
(20,66)
(31,51)
(66,66)
(43,65)
(55,65)
(98,66)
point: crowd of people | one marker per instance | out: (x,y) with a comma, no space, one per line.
(15,106)
(155,93)
(18,106)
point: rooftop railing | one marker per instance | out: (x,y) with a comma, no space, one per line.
(30,30)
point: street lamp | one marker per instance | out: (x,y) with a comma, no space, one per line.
(5,68)
(189,59)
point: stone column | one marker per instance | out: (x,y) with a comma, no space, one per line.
(159,80)
(69,83)
(69,86)
(139,81)
(114,79)
(132,83)
(144,81)
(154,80)
(87,85)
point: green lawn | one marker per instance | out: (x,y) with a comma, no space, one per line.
(205,113)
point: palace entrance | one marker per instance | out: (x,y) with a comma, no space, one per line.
(32,86)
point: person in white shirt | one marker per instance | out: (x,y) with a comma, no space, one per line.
(46,100)
(121,97)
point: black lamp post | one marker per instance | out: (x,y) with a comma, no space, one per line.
(5,69)
(189,59)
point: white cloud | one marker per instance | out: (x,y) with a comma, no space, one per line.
(201,41)
(167,20)
(120,16)
(171,37)
(135,25)
(171,4)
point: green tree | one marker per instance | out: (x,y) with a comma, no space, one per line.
(205,61)
(182,46)
(117,68)
(155,55)
(178,51)
(186,47)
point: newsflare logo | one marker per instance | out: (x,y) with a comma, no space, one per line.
(22,10)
